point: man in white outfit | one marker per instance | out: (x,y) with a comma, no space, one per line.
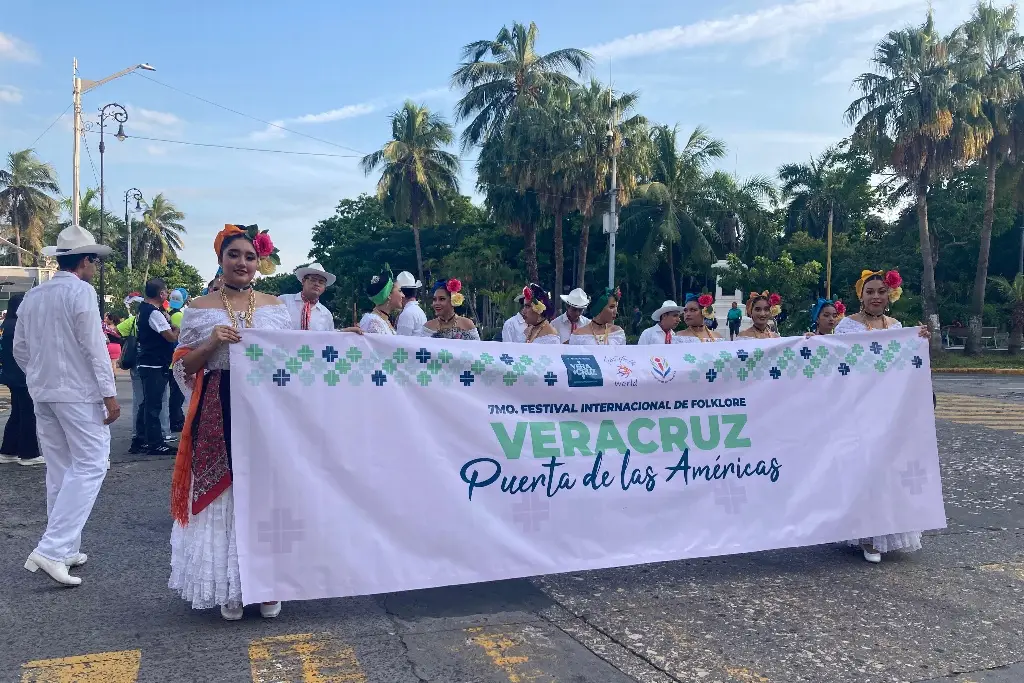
(514,329)
(576,302)
(412,318)
(305,309)
(60,345)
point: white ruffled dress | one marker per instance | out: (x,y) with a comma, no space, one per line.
(907,541)
(204,556)
(616,338)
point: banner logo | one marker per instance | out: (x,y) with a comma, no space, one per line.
(583,371)
(661,370)
(624,369)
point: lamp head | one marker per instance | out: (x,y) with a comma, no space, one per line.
(147,67)
(120,132)
(138,205)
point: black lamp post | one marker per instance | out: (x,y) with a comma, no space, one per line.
(119,114)
(135,194)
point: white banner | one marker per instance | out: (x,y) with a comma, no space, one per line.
(375,464)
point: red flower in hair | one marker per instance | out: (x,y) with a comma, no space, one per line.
(705,300)
(263,245)
(774,300)
(840,307)
(527,294)
(453,286)
(893,279)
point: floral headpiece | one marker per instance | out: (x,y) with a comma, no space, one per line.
(822,303)
(602,299)
(536,298)
(268,255)
(381,286)
(454,289)
(892,279)
(705,301)
(774,300)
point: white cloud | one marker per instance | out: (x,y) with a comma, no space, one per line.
(15,50)
(347,112)
(271,132)
(770,24)
(152,121)
(9,94)
(156,150)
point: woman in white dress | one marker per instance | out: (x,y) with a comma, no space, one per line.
(696,310)
(667,317)
(386,300)
(762,307)
(876,290)
(825,315)
(204,556)
(447,324)
(601,330)
(538,312)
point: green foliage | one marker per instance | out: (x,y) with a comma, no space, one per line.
(176,273)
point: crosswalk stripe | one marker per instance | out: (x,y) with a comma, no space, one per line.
(983,412)
(1015,568)
(304,658)
(497,647)
(103,667)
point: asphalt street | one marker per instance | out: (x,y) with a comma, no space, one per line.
(953,612)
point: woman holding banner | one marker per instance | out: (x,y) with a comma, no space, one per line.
(876,290)
(537,312)
(602,330)
(762,309)
(204,557)
(386,300)
(696,309)
(447,324)
(825,315)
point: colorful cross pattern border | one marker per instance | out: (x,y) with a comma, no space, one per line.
(421,367)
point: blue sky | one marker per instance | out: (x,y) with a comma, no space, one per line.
(770,78)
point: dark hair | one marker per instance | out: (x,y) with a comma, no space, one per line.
(228,240)
(71,262)
(154,286)
(14,304)
(115,319)
(874,276)
(410,292)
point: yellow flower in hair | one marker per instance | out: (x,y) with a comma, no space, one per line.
(538,307)
(775,310)
(895,294)
(266,267)
(458,299)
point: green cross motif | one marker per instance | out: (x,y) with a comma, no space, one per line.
(720,363)
(255,378)
(445,356)
(389,366)
(856,349)
(809,371)
(478,367)
(782,363)
(486,358)
(332,378)
(758,354)
(343,366)
(525,360)
(254,352)
(518,368)
(293,365)
(305,354)
(788,354)
(690,358)
(725,355)
(880,365)
(434,366)
(400,356)
(894,346)
(742,374)
(354,354)
(423,378)
(510,378)
(822,352)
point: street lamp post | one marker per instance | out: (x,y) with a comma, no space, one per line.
(135,194)
(119,114)
(80,86)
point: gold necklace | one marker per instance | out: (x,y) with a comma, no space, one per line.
(603,337)
(762,334)
(532,332)
(867,321)
(246,317)
(707,332)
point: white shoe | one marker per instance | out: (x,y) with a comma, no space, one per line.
(38,460)
(76,560)
(8,459)
(58,571)
(872,557)
(270,611)
(231,613)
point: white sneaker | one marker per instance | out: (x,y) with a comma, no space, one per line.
(8,459)
(231,613)
(270,611)
(76,560)
(38,460)
(872,557)
(58,571)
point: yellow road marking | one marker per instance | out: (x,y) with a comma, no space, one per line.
(744,675)
(496,647)
(304,658)
(1016,568)
(103,667)
(984,412)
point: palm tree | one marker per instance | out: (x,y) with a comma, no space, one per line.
(740,210)
(1014,292)
(417,174)
(515,76)
(160,237)
(28,186)
(913,116)
(836,184)
(990,57)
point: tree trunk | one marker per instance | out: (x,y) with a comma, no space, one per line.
(929,299)
(17,231)
(530,251)
(581,269)
(975,319)
(1016,337)
(559,265)
(672,271)
(419,251)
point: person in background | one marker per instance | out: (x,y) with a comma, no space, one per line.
(576,302)
(602,330)
(110,323)
(20,444)
(667,317)
(762,307)
(386,298)
(214,285)
(735,320)
(59,344)
(412,318)
(447,324)
(538,313)
(156,341)
(696,311)
(305,308)
(637,318)
(825,315)
(176,399)
(514,329)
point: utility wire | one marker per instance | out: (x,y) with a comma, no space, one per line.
(40,137)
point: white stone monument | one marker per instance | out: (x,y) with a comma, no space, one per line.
(723,303)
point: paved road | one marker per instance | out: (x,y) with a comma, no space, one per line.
(951,613)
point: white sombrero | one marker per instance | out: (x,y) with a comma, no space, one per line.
(314,269)
(74,240)
(666,307)
(405,280)
(577,298)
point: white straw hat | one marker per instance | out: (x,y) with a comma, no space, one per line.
(74,240)
(315,269)
(666,307)
(577,298)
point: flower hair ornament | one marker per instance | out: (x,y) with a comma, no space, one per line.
(454,289)
(536,298)
(892,279)
(604,297)
(381,286)
(822,303)
(774,301)
(268,255)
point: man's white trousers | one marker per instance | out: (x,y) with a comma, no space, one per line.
(75,444)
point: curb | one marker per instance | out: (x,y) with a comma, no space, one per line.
(979,371)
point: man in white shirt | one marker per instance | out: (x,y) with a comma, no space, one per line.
(305,309)
(412,318)
(514,329)
(576,302)
(667,317)
(59,343)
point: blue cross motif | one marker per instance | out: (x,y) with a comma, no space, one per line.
(844,369)
(281,377)
(805,352)
(550,378)
(711,375)
(423,355)
(742,355)
(330,354)
(917,362)
(466,378)
(507,359)
(876,348)
(379,378)
(775,373)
